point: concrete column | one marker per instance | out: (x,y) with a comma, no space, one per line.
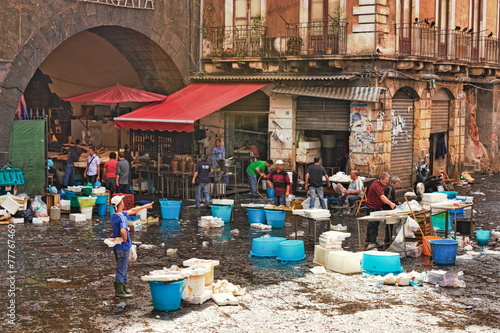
(282,118)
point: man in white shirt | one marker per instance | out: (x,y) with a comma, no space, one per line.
(93,166)
(347,198)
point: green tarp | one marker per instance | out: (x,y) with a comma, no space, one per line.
(27,152)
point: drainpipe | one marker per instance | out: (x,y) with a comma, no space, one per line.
(200,55)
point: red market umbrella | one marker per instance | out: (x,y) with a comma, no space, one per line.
(116,94)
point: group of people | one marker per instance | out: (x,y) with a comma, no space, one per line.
(117,171)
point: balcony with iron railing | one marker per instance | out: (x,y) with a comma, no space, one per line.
(302,39)
(422,40)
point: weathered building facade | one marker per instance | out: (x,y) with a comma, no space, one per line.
(394,82)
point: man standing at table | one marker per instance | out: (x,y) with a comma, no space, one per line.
(74,152)
(314,182)
(280,181)
(219,153)
(201,179)
(93,168)
(255,169)
(375,200)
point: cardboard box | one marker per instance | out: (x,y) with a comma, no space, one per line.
(310,144)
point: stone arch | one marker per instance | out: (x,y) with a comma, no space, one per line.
(163,69)
(443,94)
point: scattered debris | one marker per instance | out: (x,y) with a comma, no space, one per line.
(260,226)
(318,270)
(446,278)
(299,233)
(171,252)
(235,232)
(58,280)
(478,193)
(225,299)
(147,246)
(205,244)
(223,286)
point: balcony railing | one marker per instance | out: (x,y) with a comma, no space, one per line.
(421,40)
(323,37)
(239,41)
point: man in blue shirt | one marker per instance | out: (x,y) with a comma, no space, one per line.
(219,153)
(201,178)
(119,224)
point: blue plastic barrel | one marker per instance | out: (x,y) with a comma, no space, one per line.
(256,215)
(224,212)
(170,209)
(275,218)
(101,199)
(270,192)
(444,251)
(102,209)
(166,295)
(291,250)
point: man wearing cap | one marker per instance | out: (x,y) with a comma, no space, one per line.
(201,178)
(279,180)
(119,224)
(254,169)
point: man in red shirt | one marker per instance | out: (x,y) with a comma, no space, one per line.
(375,200)
(110,172)
(280,181)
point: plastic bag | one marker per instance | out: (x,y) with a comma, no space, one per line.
(27,215)
(97,183)
(409,227)
(187,293)
(133,253)
(39,207)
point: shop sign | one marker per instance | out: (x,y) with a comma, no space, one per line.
(136,4)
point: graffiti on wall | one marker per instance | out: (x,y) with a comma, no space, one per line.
(399,130)
(361,128)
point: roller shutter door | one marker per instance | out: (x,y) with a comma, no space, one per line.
(439,116)
(322,114)
(402,141)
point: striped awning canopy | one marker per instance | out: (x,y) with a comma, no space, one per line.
(361,94)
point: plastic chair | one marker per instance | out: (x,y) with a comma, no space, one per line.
(359,202)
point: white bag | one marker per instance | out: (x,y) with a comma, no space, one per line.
(409,227)
(133,253)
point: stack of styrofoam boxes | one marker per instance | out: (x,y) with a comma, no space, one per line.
(99,190)
(307,151)
(328,241)
(429,199)
(210,222)
(317,213)
(226,202)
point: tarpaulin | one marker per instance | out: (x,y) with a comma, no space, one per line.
(116,94)
(27,152)
(179,111)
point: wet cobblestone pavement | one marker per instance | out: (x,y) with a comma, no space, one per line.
(64,281)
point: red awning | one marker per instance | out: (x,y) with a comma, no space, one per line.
(181,109)
(116,94)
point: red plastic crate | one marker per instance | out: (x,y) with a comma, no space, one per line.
(128,200)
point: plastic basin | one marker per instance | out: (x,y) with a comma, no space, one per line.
(256,215)
(275,218)
(102,209)
(170,209)
(166,295)
(291,250)
(483,236)
(266,246)
(381,263)
(270,192)
(444,251)
(224,212)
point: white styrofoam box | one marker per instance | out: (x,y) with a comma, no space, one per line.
(37,220)
(77,217)
(223,201)
(11,205)
(17,220)
(304,159)
(306,151)
(332,236)
(299,212)
(99,190)
(75,189)
(201,298)
(3,212)
(225,299)
(321,255)
(137,227)
(434,197)
(344,262)
(65,204)
(317,213)
(310,144)
(44,218)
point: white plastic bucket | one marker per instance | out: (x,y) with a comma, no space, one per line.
(87,211)
(143,213)
(197,284)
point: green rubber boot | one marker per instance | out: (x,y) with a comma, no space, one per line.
(126,290)
(120,292)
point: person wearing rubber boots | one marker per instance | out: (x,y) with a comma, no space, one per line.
(119,224)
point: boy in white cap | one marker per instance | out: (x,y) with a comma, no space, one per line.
(280,181)
(119,223)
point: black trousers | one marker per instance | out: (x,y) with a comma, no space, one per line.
(372,230)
